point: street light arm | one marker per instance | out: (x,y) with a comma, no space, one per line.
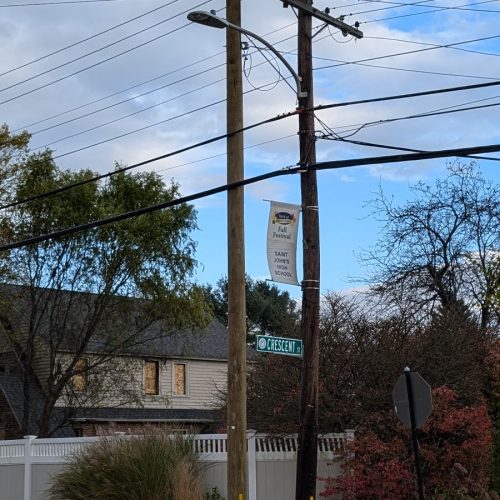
(209,19)
(298,80)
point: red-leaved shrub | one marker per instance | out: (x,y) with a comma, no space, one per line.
(455,454)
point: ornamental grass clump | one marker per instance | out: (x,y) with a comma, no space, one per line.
(154,466)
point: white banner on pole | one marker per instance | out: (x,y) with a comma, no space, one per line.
(282,242)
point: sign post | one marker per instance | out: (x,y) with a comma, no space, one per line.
(279,345)
(412,399)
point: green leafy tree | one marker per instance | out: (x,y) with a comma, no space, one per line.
(270,311)
(149,259)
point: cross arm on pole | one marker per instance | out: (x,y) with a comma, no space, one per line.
(322,16)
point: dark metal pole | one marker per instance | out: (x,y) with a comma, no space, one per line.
(307,452)
(411,403)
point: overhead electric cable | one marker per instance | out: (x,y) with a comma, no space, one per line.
(419,71)
(104,47)
(434,8)
(205,59)
(192,162)
(283,116)
(396,54)
(65,2)
(357,128)
(98,63)
(74,44)
(415,42)
(141,129)
(320,107)
(368,124)
(115,120)
(395,148)
(327,165)
(408,70)
(85,115)
(95,101)
(419,13)
(146,162)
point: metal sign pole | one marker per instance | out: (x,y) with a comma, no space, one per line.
(409,388)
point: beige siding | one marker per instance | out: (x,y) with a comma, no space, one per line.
(204,380)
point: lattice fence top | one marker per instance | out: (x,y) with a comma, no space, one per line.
(208,446)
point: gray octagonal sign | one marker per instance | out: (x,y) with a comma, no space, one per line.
(422,399)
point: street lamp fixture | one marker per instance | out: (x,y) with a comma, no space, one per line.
(210,19)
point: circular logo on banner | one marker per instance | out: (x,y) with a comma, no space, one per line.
(262,343)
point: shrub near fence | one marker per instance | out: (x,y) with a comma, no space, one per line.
(26,465)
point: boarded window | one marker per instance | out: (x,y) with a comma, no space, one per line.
(151,377)
(180,379)
(79,380)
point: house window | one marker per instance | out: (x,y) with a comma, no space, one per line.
(79,380)
(180,386)
(151,377)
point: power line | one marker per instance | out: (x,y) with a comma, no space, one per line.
(192,162)
(283,116)
(435,8)
(76,108)
(206,85)
(115,120)
(107,59)
(146,127)
(328,165)
(141,129)
(414,42)
(58,51)
(357,63)
(421,13)
(409,70)
(426,49)
(95,101)
(362,101)
(83,56)
(395,148)
(33,4)
(358,128)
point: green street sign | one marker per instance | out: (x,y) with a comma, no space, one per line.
(279,345)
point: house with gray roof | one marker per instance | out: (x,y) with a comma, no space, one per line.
(164,376)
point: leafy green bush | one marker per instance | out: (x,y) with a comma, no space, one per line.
(154,466)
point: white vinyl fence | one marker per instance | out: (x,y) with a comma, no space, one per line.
(26,465)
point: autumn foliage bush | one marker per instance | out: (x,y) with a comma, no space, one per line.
(455,448)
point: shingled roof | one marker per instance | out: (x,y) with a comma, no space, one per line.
(157,339)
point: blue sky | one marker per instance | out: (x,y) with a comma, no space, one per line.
(164,69)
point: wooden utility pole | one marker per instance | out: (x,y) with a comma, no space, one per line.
(236,371)
(305,488)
